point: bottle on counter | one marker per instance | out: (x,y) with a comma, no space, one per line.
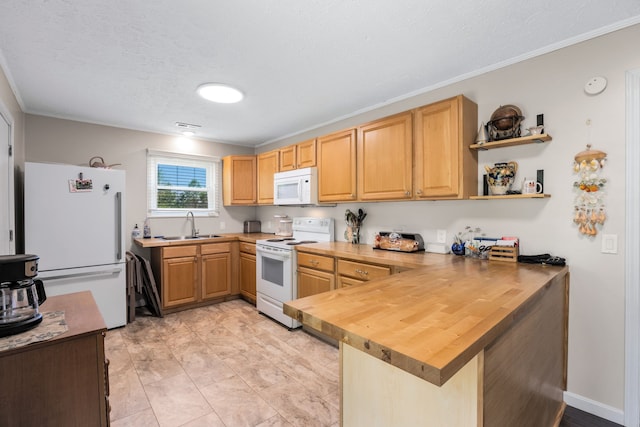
(136,232)
(146,229)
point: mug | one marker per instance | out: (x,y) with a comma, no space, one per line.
(530,186)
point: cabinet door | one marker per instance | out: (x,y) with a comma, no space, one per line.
(179,280)
(216,275)
(385,160)
(311,282)
(239,180)
(445,167)
(267,166)
(248,275)
(337,166)
(288,158)
(345,282)
(306,154)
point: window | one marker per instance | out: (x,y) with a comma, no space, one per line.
(178,183)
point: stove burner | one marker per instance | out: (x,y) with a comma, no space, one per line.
(301,242)
(289,238)
(275,240)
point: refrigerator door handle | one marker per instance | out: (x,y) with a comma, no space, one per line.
(118,225)
(108,272)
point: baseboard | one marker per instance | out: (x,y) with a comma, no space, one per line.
(596,408)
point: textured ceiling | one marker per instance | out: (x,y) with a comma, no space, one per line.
(301,63)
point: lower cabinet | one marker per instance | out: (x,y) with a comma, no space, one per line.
(247,271)
(62,381)
(316,274)
(355,272)
(216,270)
(179,276)
(191,275)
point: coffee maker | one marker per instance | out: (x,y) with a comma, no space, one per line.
(20,295)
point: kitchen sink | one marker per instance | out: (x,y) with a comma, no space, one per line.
(203,236)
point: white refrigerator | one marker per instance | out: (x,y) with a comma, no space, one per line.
(73,220)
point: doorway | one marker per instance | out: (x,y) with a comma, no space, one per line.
(7,203)
(632,250)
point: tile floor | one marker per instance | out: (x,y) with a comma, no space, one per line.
(221,365)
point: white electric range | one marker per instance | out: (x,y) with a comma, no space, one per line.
(276,278)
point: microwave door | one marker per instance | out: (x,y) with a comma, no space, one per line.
(288,191)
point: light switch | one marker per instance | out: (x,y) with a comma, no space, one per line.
(223,225)
(609,244)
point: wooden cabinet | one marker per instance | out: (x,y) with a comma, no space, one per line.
(216,270)
(306,154)
(337,166)
(315,274)
(298,156)
(63,381)
(267,166)
(192,275)
(239,180)
(445,167)
(384,158)
(179,275)
(247,271)
(354,272)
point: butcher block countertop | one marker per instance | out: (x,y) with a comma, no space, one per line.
(155,242)
(366,253)
(431,320)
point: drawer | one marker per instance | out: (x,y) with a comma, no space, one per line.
(345,282)
(362,270)
(179,251)
(215,248)
(249,248)
(319,262)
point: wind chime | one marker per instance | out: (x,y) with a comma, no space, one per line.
(589,203)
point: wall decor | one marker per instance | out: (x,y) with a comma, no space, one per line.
(589,202)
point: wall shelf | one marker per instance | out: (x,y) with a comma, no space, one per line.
(529,139)
(511,196)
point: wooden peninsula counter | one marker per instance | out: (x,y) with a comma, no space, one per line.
(458,342)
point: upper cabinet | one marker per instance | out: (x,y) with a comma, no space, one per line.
(384,158)
(239,180)
(267,166)
(298,156)
(337,166)
(445,167)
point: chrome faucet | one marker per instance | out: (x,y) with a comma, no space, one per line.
(194,232)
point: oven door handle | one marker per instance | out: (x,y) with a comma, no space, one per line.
(274,252)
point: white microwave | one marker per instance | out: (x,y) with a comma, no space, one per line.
(296,187)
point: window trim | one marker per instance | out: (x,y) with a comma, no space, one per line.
(213,165)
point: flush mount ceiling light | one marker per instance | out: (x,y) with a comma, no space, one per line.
(221,93)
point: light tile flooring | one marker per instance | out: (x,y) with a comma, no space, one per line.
(221,365)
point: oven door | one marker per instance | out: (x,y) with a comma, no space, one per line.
(274,273)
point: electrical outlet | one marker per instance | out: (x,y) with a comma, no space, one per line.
(269,225)
(442,236)
(223,225)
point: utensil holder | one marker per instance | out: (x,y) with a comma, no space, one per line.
(353,235)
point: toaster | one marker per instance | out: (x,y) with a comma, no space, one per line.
(252,227)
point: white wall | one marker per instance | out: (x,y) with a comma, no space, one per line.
(64,141)
(551,84)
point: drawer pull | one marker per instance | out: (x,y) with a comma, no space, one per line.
(314,262)
(362,272)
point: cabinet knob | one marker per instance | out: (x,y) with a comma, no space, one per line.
(418,192)
(407,193)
